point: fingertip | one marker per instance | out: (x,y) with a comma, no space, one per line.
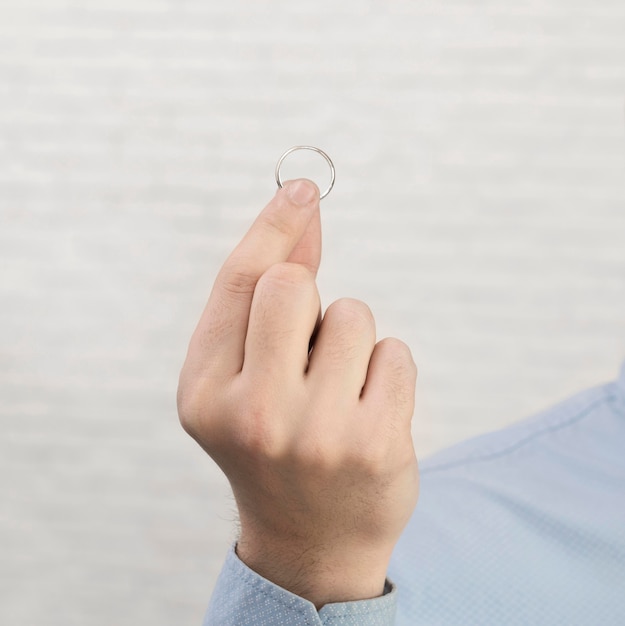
(302,191)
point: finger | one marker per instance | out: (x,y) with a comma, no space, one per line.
(391,380)
(283,316)
(307,251)
(273,238)
(342,349)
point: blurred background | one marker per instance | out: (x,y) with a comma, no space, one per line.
(479,209)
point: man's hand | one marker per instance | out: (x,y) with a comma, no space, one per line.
(309,419)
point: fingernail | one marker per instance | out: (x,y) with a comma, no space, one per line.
(301,191)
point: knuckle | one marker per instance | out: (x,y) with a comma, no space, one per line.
(239,280)
(400,374)
(257,435)
(348,326)
(398,355)
(191,407)
(286,275)
(352,313)
(201,405)
(255,422)
(241,419)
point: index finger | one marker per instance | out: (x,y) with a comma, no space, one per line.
(287,229)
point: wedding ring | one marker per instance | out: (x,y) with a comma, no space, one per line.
(318,151)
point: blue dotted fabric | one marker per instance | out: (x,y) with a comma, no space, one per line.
(524,526)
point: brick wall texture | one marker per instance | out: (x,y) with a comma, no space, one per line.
(479,210)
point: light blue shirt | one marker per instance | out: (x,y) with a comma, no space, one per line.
(525,526)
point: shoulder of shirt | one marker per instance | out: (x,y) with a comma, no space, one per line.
(490,446)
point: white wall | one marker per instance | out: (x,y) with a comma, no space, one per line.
(479,209)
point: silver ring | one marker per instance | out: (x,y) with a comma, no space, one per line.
(318,151)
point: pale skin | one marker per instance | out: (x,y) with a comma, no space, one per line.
(316,443)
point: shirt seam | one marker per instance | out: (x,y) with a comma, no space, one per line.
(579,416)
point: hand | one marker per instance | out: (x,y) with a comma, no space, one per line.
(316,443)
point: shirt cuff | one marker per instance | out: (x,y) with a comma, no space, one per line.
(244,598)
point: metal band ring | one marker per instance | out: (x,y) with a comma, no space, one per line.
(318,151)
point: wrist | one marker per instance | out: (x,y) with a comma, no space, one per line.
(319,574)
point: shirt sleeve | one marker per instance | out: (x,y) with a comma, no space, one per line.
(244,598)
(525,525)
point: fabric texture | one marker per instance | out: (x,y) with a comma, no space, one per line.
(521,526)
(243,598)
